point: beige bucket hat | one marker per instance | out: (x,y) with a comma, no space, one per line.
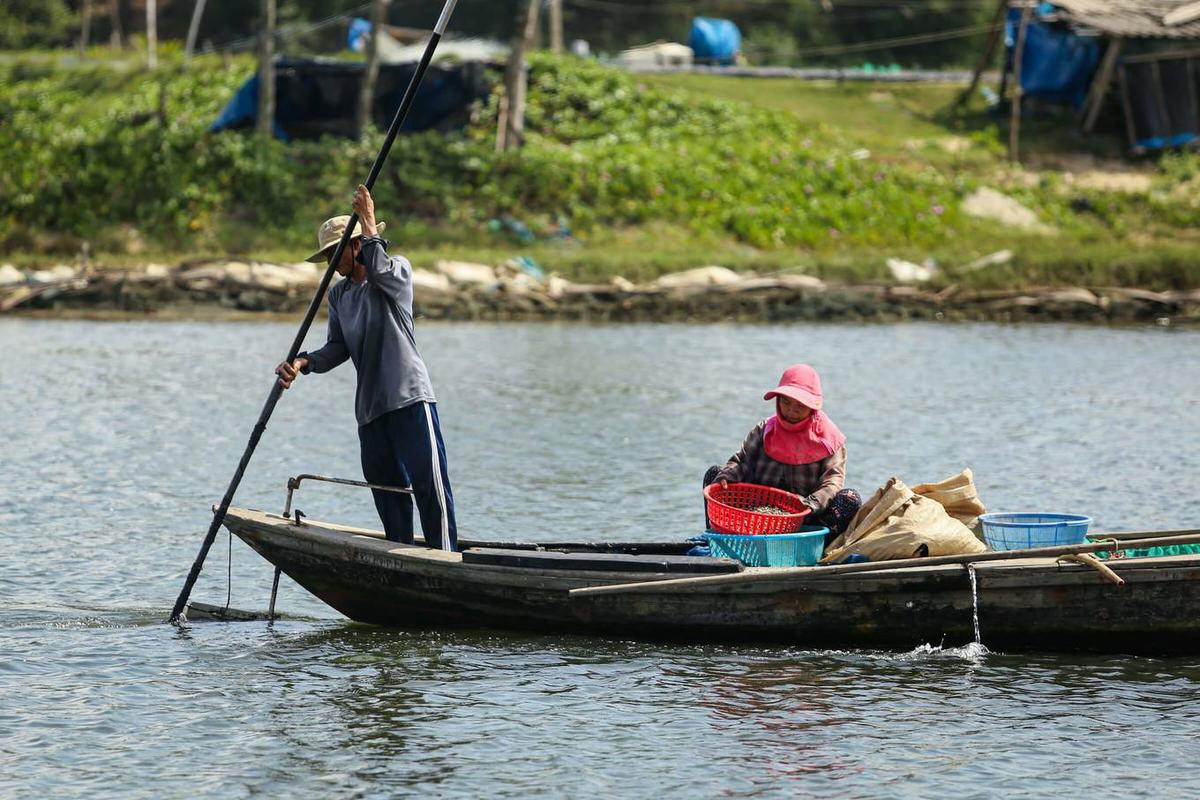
(330,233)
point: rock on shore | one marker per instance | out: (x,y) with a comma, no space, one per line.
(458,290)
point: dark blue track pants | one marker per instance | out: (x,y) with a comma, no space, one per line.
(404,448)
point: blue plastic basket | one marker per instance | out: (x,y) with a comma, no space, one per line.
(1033,529)
(800,549)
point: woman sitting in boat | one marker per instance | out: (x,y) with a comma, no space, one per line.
(800,450)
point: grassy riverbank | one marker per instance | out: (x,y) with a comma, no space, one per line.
(648,175)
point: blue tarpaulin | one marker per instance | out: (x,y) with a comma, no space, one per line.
(314,97)
(717,40)
(357,35)
(1057,65)
(242,109)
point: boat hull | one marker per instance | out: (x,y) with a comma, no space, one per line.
(1030,604)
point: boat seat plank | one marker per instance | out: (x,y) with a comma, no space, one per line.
(608,562)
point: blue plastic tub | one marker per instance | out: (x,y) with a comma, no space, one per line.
(1033,529)
(800,549)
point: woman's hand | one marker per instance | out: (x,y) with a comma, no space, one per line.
(724,483)
(289,372)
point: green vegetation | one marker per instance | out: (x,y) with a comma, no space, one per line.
(648,174)
(29,23)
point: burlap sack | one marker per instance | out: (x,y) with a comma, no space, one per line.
(899,523)
(957,495)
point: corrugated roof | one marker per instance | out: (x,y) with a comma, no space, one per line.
(1130,18)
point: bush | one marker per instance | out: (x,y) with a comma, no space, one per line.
(108,157)
(601,149)
(34,23)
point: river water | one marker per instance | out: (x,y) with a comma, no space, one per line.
(116,437)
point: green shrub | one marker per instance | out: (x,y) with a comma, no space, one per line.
(31,23)
(105,147)
(601,149)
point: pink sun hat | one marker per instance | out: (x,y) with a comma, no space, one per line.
(801,383)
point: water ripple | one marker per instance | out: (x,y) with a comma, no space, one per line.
(116,455)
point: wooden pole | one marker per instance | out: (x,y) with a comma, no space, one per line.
(1127,103)
(1100,84)
(1014,126)
(516,79)
(85,28)
(502,124)
(276,390)
(152,34)
(366,92)
(1098,565)
(556,26)
(193,30)
(265,123)
(117,36)
(274,594)
(1164,118)
(989,52)
(800,573)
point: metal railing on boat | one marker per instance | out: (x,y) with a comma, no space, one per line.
(294,483)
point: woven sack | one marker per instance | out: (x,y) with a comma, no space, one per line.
(957,495)
(899,523)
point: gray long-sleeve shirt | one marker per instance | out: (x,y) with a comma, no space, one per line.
(371,323)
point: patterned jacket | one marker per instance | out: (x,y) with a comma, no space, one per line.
(816,483)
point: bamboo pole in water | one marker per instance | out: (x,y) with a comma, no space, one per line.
(276,390)
(784,573)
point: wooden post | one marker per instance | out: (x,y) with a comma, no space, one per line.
(117,36)
(1014,127)
(1192,64)
(85,27)
(161,112)
(266,71)
(152,34)
(1130,128)
(366,91)
(515,79)
(1100,84)
(1160,99)
(274,594)
(193,30)
(502,124)
(556,26)
(989,52)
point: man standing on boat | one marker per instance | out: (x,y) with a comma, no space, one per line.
(371,323)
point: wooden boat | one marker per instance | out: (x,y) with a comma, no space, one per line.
(1023,604)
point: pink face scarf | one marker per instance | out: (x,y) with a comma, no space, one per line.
(813,439)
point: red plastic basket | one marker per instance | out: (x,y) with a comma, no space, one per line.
(729,509)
